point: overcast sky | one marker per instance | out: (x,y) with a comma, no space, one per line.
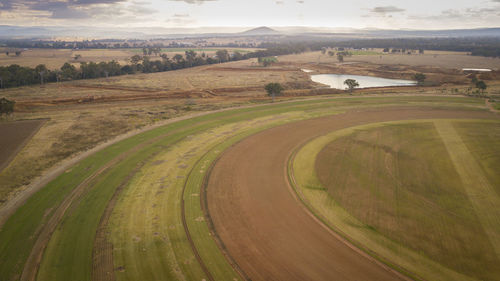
(387,14)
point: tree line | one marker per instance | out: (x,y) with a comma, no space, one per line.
(16,75)
(476,46)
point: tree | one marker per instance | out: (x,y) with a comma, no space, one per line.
(481,85)
(340,57)
(178,58)
(351,84)
(6,106)
(68,71)
(135,59)
(77,57)
(323,50)
(222,55)
(274,89)
(238,56)
(331,53)
(18,53)
(420,78)
(190,57)
(41,69)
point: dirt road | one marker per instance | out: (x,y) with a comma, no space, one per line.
(265,230)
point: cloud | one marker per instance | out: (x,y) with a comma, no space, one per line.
(387,10)
(300,1)
(181,20)
(280,3)
(461,15)
(48,5)
(198,2)
(79,9)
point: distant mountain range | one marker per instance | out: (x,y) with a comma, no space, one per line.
(47,32)
(259,31)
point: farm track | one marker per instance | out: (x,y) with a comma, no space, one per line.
(102,253)
(265,229)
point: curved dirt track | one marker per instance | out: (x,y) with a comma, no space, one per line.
(265,229)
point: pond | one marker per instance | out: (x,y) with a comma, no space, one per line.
(476,69)
(336,81)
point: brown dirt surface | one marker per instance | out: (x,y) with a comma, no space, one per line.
(262,225)
(14,136)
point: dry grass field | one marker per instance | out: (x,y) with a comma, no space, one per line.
(438,59)
(399,180)
(55,58)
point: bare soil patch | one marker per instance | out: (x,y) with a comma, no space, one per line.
(14,136)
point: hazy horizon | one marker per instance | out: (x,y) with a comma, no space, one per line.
(230,15)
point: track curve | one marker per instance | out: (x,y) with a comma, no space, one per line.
(267,232)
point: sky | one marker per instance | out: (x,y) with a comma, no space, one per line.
(379,14)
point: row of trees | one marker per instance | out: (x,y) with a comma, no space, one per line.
(15,75)
(115,44)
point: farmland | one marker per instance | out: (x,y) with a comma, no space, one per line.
(55,58)
(130,177)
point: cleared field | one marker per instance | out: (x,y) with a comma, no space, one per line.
(393,190)
(446,60)
(249,198)
(55,58)
(14,136)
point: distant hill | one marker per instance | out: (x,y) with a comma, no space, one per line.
(263,30)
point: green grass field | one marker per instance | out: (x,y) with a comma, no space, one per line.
(398,191)
(154,231)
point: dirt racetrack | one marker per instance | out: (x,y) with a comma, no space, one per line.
(265,229)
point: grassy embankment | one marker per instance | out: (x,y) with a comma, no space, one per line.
(394,191)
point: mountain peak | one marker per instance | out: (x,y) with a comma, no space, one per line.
(263,30)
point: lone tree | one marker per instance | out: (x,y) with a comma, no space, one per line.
(340,57)
(481,85)
(6,106)
(420,77)
(274,89)
(351,84)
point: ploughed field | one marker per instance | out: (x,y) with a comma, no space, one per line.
(14,137)
(207,197)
